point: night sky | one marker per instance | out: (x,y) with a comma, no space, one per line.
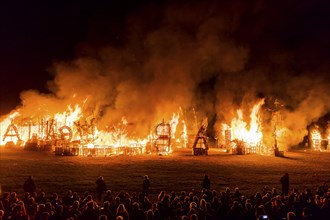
(34,35)
(291,38)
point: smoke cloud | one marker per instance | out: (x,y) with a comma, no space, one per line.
(211,57)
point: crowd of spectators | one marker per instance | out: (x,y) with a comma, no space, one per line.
(208,204)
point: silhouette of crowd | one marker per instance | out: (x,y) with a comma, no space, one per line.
(206,204)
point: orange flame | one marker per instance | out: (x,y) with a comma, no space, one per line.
(69,116)
(4,125)
(240,130)
(316,139)
(66,127)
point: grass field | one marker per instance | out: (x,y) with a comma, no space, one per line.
(176,172)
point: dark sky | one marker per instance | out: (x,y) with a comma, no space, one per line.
(33,36)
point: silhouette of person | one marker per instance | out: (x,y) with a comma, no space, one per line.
(100,187)
(145,186)
(206,182)
(29,185)
(285,184)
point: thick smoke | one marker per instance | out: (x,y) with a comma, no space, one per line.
(211,57)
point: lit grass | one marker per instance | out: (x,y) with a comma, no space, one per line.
(176,172)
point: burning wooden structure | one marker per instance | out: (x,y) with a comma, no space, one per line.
(70,133)
(242,138)
(319,142)
(163,136)
(68,136)
(11,132)
(200,145)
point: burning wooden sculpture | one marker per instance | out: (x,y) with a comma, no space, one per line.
(200,146)
(83,146)
(319,141)
(11,132)
(162,142)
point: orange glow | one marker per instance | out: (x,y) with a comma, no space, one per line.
(250,134)
(174,123)
(4,125)
(72,128)
(69,116)
(316,139)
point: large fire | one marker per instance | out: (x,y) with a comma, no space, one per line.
(117,88)
(251,134)
(70,128)
(73,128)
(240,134)
(316,139)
